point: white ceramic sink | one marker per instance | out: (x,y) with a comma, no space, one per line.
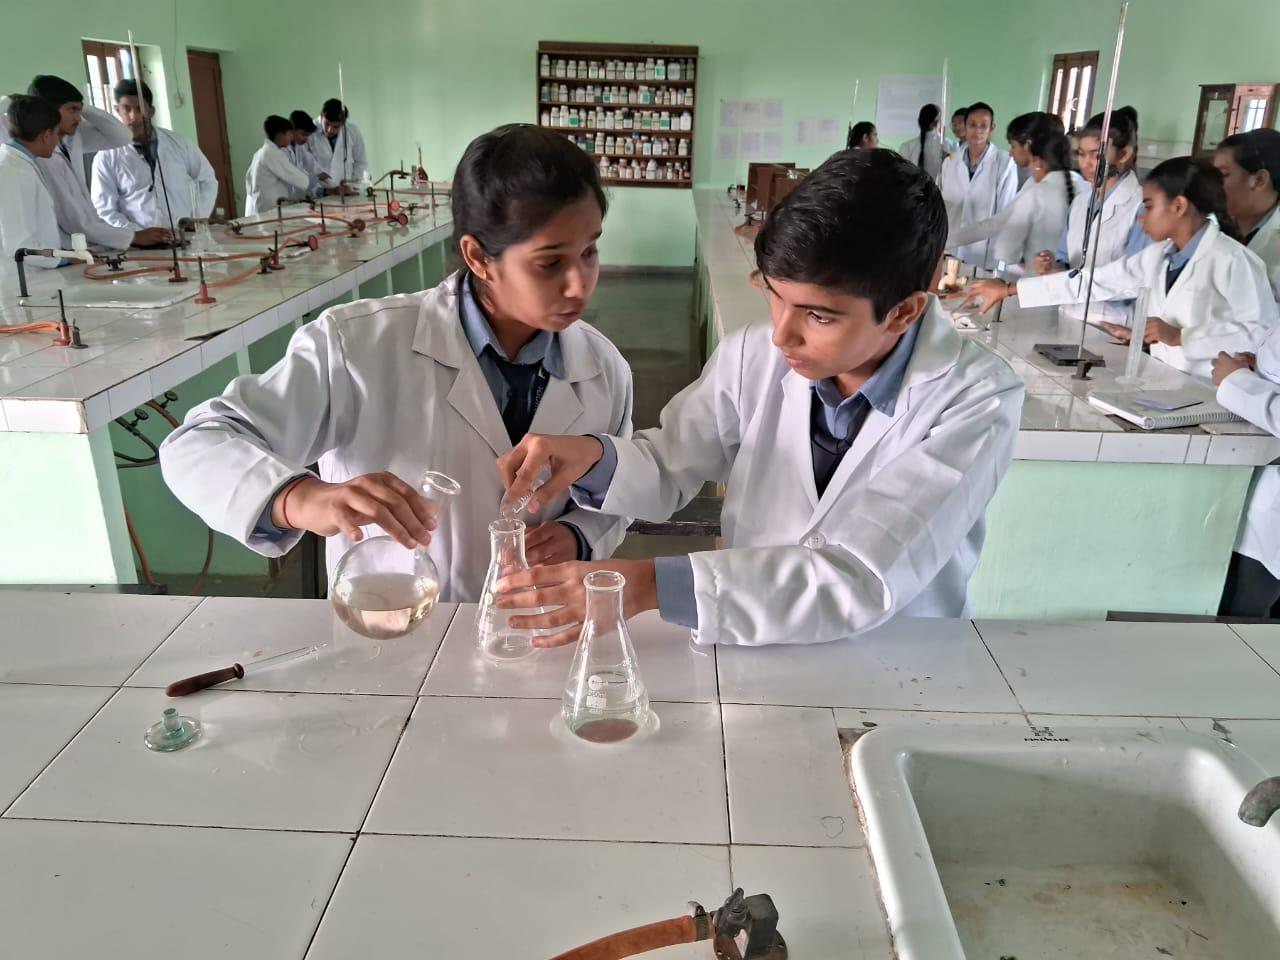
(1086,842)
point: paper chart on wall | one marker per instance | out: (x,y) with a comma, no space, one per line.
(900,99)
(730,110)
(727,147)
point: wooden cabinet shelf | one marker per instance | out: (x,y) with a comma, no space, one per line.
(627,53)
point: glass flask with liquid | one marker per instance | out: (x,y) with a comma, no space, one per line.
(383,591)
(604,699)
(497,638)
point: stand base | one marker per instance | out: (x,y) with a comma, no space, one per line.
(1068,354)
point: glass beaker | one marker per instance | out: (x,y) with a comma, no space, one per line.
(497,638)
(383,591)
(604,699)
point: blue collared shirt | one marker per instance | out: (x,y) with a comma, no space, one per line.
(970,164)
(21,149)
(1134,242)
(844,417)
(1248,238)
(544,347)
(1180,258)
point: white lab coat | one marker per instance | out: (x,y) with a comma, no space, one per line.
(901,524)
(1035,219)
(390,384)
(934,150)
(1111,230)
(27,218)
(970,202)
(271,177)
(346,159)
(1266,244)
(1220,301)
(67,180)
(300,155)
(125,194)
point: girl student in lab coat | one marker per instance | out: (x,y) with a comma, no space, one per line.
(977,183)
(27,217)
(1208,293)
(860,436)
(380,391)
(927,150)
(862,136)
(1250,167)
(271,176)
(1038,214)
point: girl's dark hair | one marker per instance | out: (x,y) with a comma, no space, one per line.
(980,106)
(1256,150)
(926,120)
(514,179)
(30,116)
(861,129)
(273,126)
(1123,133)
(866,222)
(1201,183)
(1051,146)
(1024,127)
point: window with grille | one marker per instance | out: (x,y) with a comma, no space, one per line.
(1071,87)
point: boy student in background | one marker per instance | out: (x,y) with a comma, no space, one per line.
(977,183)
(1208,292)
(298,150)
(860,436)
(27,217)
(271,177)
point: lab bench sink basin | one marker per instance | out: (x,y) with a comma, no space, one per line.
(1049,844)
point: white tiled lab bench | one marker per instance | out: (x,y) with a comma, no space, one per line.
(403,798)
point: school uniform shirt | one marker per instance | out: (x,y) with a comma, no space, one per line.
(898,529)
(934,150)
(65,177)
(345,158)
(1114,225)
(129,190)
(1036,217)
(977,197)
(1264,240)
(270,177)
(27,218)
(1216,293)
(390,385)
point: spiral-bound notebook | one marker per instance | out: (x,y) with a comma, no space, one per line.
(1162,409)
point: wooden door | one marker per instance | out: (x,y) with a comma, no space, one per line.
(211,123)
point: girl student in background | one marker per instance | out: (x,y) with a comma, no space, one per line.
(1208,293)
(977,183)
(927,150)
(1038,214)
(862,136)
(380,391)
(979,234)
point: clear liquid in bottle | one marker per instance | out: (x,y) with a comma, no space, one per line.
(383,606)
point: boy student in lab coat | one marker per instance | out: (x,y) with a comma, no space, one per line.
(977,183)
(381,391)
(1208,293)
(338,147)
(27,217)
(860,436)
(130,192)
(1250,168)
(82,129)
(271,176)
(299,153)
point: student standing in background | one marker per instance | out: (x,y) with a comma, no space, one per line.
(338,146)
(271,176)
(927,150)
(862,136)
(977,183)
(27,217)
(301,156)
(1250,167)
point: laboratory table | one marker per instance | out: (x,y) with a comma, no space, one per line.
(406,799)
(1095,514)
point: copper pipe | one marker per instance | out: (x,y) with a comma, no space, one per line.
(629,943)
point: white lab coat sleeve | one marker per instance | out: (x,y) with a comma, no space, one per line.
(1118,280)
(975,232)
(603,531)
(279,164)
(105,188)
(696,440)
(1019,220)
(359,159)
(1240,319)
(232,453)
(99,130)
(200,170)
(906,523)
(1252,396)
(20,227)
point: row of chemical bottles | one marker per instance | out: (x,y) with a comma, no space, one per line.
(615,119)
(641,96)
(651,68)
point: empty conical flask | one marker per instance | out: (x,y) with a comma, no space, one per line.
(497,638)
(604,698)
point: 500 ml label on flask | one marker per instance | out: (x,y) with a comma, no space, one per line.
(596,699)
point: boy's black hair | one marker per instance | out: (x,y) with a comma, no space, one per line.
(29,116)
(334,111)
(275,125)
(866,222)
(981,106)
(512,180)
(301,120)
(54,89)
(129,88)
(960,112)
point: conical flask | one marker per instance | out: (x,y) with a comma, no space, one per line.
(604,698)
(497,638)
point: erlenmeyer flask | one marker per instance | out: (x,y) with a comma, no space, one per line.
(604,699)
(498,639)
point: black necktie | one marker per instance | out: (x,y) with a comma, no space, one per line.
(829,450)
(144,151)
(1171,275)
(526,382)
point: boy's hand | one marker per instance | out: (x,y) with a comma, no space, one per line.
(1160,332)
(550,543)
(561,586)
(565,458)
(382,498)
